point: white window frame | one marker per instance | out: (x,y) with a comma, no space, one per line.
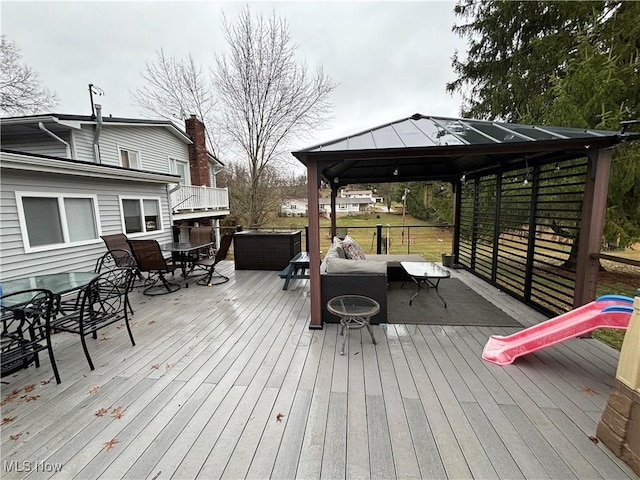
(128,149)
(173,161)
(160,229)
(63,220)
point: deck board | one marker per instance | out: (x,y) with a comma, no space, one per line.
(229,382)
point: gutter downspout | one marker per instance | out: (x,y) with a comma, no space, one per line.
(96,133)
(56,137)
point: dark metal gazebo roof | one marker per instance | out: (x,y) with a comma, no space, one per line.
(438,148)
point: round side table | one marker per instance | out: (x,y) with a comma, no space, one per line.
(355,311)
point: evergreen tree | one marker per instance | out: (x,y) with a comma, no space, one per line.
(559,63)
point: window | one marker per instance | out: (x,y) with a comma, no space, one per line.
(141,215)
(180,167)
(48,219)
(129,158)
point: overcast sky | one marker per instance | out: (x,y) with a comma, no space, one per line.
(389,59)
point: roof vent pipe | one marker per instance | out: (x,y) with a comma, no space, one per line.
(53,135)
(96,133)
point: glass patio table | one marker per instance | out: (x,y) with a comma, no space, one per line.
(184,252)
(58,283)
(355,311)
(428,273)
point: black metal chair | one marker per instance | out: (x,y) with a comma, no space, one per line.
(117,258)
(149,258)
(26,330)
(104,302)
(209,263)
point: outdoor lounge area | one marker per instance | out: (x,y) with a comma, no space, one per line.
(229,381)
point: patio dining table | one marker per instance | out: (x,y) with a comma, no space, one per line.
(184,252)
(58,283)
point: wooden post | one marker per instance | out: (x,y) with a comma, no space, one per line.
(592,226)
(313,184)
(334,214)
(455,238)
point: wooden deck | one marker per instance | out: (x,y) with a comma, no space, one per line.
(229,382)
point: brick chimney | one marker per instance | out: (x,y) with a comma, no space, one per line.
(198,163)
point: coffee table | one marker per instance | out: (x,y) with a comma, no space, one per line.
(428,273)
(355,312)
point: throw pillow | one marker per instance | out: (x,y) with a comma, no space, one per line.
(337,244)
(352,249)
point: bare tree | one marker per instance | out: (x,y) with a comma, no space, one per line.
(177,88)
(21,92)
(266,97)
(268,193)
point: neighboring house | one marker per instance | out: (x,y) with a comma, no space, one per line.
(345,193)
(346,206)
(294,207)
(67,179)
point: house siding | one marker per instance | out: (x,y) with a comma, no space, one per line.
(155,145)
(39,143)
(16,263)
(83,141)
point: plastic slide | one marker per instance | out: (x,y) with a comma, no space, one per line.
(611,311)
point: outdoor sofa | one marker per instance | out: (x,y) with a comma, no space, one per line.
(346,270)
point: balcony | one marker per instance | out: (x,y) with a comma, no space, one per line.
(188,200)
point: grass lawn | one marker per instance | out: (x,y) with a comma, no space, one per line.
(419,236)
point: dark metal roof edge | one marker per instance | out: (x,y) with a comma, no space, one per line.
(299,154)
(415,116)
(105,120)
(456,150)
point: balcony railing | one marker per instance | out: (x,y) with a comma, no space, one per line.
(191,198)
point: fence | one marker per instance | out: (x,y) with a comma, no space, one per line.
(430,241)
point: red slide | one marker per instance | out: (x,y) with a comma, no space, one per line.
(612,311)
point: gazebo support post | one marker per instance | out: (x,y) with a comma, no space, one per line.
(455,238)
(313,186)
(334,213)
(592,225)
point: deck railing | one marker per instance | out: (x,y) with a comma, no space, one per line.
(191,198)
(430,241)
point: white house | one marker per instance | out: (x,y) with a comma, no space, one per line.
(67,179)
(294,207)
(346,206)
(346,193)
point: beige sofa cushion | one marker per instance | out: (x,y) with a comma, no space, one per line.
(395,259)
(343,265)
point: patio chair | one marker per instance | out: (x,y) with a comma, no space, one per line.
(26,330)
(113,259)
(209,263)
(202,235)
(104,302)
(118,242)
(117,258)
(149,258)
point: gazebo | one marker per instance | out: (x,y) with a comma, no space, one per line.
(529,201)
